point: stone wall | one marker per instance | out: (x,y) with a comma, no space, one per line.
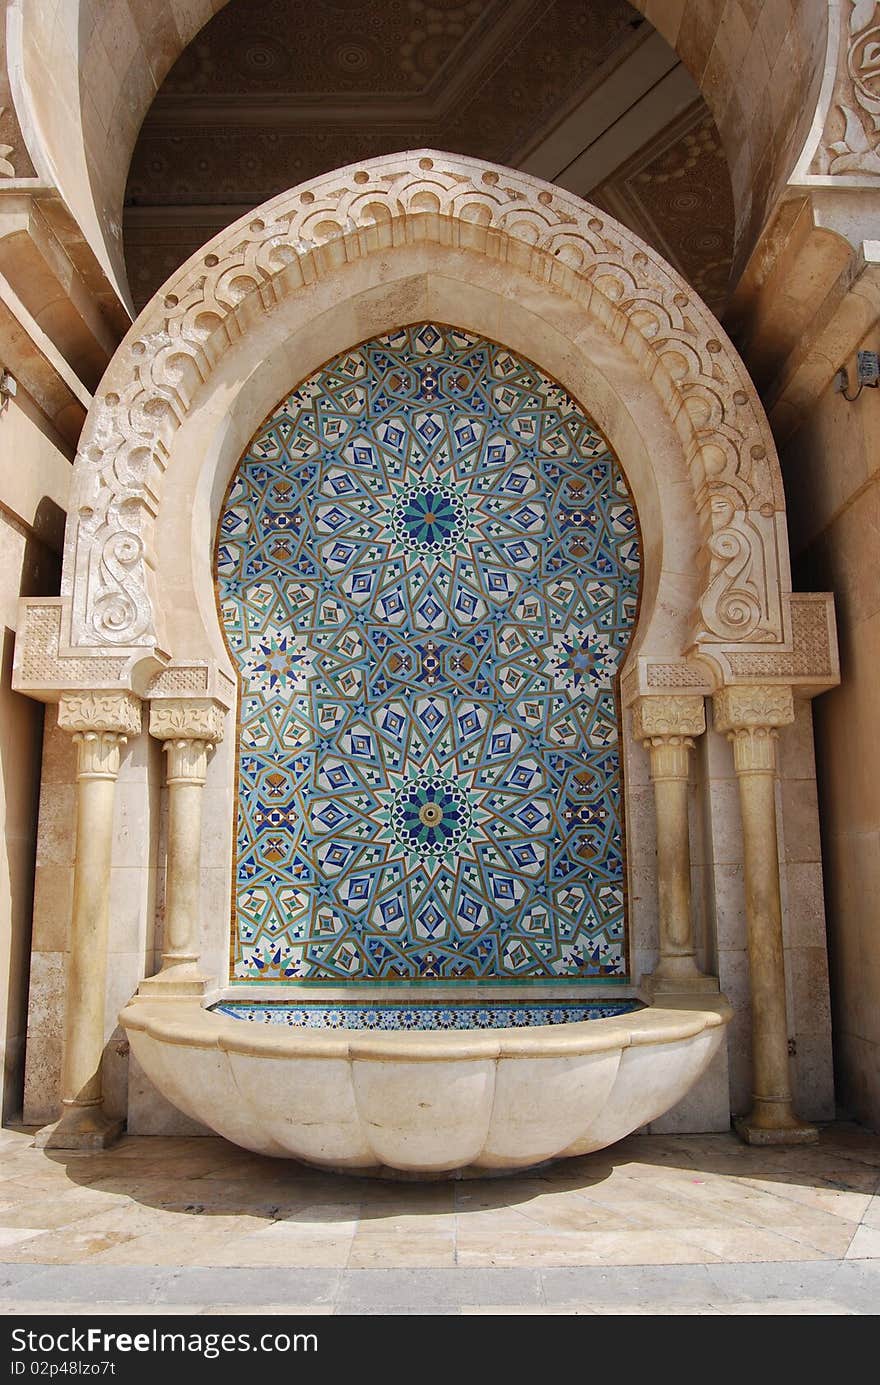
(832,470)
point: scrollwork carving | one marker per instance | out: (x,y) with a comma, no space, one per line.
(859,93)
(503,215)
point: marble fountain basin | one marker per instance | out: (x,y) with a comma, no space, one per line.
(416,1101)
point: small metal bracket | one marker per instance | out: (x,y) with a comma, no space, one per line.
(867,373)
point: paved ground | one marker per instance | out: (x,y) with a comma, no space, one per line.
(655,1225)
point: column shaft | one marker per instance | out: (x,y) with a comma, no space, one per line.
(98,754)
(101,723)
(666,726)
(189,728)
(771,1078)
(674,872)
(750,716)
(182,882)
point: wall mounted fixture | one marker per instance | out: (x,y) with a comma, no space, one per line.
(867,373)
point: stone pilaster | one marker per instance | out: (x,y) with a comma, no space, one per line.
(751,717)
(189,729)
(100,723)
(667,726)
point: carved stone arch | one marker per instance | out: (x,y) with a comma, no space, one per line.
(759,68)
(425,208)
(418,237)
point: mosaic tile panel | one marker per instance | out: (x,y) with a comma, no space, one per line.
(478,1016)
(427,571)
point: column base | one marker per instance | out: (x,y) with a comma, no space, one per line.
(175,980)
(656,983)
(80,1127)
(792,1132)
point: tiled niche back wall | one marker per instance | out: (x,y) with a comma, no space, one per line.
(427,571)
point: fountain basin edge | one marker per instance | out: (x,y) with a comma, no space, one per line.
(426,1102)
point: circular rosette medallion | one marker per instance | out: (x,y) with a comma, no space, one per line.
(429,518)
(430,815)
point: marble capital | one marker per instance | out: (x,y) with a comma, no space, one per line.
(187,760)
(668,717)
(752,707)
(100,711)
(750,717)
(187,718)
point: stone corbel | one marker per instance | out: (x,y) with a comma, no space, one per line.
(667,727)
(806,660)
(46,664)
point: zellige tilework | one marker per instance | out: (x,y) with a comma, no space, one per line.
(427,571)
(514,1015)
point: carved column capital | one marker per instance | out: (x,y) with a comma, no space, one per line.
(757,705)
(187,760)
(187,718)
(666,727)
(668,717)
(101,723)
(750,716)
(118,712)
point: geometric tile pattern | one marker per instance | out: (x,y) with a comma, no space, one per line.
(428,569)
(476,1016)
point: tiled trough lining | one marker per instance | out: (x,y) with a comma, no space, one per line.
(422,1016)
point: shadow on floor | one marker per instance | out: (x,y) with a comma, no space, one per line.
(206,1176)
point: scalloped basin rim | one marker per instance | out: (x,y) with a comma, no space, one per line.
(425,1104)
(186,1022)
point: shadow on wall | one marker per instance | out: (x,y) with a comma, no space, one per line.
(21,739)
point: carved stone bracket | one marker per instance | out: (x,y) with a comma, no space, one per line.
(805,659)
(45,664)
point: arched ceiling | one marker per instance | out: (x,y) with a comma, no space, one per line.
(270,93)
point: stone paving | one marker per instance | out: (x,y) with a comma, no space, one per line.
(654,1225)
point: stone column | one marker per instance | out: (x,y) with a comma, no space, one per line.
(101,723)
(189,728)
(751,716)
(666,726)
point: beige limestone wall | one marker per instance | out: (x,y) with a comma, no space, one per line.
(34,478)
(832,472)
